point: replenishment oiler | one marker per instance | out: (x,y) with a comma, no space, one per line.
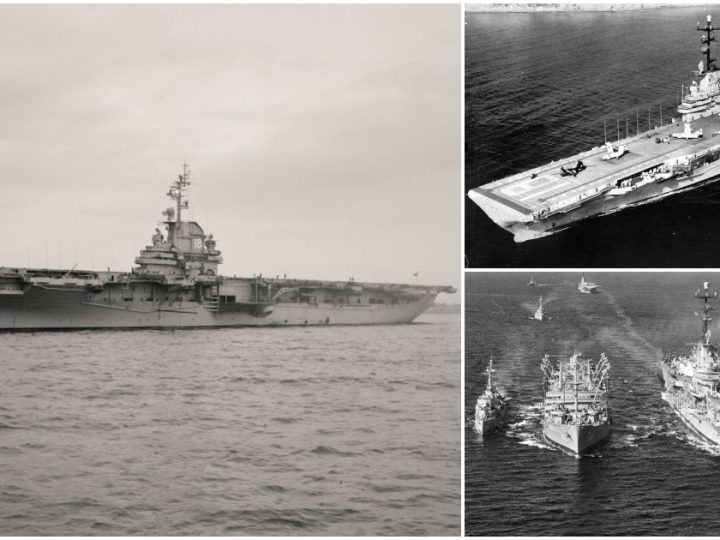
(576,415)
(176,284)
(636,170)
(692,381)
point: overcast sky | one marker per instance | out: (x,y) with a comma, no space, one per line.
(324,140)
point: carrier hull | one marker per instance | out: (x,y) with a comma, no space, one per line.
(695,420)
(299,314)
(42,309)
(673,394)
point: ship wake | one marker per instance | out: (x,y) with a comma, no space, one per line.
(525,427)
(630,338)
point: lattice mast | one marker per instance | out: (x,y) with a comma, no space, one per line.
(706,39)
(705,296)
(176,191)
(489,372)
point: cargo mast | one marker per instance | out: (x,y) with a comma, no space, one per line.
(706,39)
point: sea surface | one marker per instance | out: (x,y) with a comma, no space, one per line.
(347,430)
(538,88)
(654,477)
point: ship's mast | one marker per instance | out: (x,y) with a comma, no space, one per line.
(706,39)
(176,193)
(706,295)
(489,371)
(575,382)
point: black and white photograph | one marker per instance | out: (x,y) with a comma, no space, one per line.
(592,405)
(229,282)
(591,136)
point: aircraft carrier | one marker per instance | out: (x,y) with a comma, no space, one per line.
(692,382)
(576,415)
(639,169)
(176,284)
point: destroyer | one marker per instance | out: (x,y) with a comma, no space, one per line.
(176,284)
(692,381)
(491,407)
(640,169)
(576,416)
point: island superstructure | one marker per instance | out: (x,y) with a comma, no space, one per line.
(692,381)
(177,284)
(576,415)
(636,170)
(490,407)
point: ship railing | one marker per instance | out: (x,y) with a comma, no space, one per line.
(205,278)
(143,276)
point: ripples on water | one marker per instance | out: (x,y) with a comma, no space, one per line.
(537,88)
(654,477)
(291,431)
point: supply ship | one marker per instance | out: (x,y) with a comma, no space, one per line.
(692,382)
(576,416)
(637,170)
(176,284)
(490,408)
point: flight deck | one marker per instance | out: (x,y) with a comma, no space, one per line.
(546,188)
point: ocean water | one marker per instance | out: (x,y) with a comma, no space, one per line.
(538,86)
(654,477)
(343,430)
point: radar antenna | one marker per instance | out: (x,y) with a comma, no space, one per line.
(177,188)
(706,295)
(705,40)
